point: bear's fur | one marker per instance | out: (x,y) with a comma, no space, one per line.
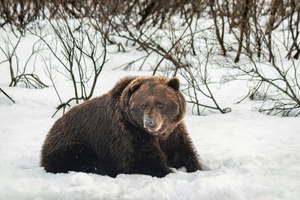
(136,128)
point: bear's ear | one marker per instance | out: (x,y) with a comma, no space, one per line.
(135,86)
(174,83)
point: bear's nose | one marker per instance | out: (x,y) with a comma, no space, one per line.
(149,123)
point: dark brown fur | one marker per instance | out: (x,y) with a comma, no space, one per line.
(110,134)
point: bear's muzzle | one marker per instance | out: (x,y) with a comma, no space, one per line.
(151,125)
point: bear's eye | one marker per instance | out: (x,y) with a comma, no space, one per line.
(143,106)
(159,105)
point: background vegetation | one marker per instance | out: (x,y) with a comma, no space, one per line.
(257,41)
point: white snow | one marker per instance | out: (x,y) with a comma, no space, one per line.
(247,155)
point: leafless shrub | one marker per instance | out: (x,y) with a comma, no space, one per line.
(245,31)
(18,14)
(198,90)
(275,85)
(19,74)
(198,74)
(9,48)
(279,94)
(81,52)
(264,32)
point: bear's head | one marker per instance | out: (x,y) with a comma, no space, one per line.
(154,104)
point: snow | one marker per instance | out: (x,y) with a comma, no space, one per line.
(246,155)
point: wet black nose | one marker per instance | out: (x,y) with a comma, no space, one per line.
(149,122)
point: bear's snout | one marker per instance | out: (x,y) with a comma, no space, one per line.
(149,123)
(152,125)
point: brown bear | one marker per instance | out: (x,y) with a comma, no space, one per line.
(135,128)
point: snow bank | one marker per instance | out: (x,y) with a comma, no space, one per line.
(247,155)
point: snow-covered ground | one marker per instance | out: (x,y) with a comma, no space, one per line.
(247,155)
